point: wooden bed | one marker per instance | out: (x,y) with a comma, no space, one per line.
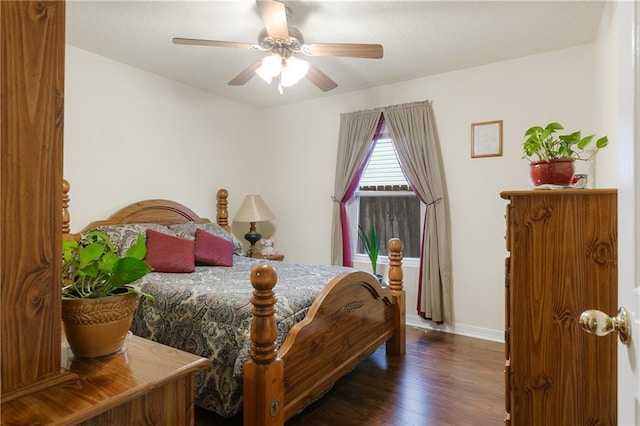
(348,320)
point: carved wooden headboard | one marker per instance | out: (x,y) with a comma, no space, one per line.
(164,212)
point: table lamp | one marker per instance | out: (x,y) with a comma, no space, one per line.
(253,209)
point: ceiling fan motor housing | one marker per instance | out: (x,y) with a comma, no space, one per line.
(294,43)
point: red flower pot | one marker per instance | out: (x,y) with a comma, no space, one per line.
(554,172)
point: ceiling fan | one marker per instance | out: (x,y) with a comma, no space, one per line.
(283,43)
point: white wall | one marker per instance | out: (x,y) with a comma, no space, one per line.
(556,86)
(183,138)
(606,101)
(131,135)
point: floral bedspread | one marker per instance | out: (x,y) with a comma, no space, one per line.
(208,313)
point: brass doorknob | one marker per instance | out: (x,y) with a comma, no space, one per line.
(598,323)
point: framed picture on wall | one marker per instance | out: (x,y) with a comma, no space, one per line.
(486,139)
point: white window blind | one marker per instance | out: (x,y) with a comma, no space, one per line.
(383,168)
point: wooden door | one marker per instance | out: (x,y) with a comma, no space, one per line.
(563,261)
(627,24)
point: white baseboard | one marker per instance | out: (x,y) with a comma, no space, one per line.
(461,329)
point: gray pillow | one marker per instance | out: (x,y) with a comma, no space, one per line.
(124,236)
(188,230)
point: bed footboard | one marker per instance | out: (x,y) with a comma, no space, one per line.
(263,374)
(352,317)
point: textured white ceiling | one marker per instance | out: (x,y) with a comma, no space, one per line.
(420,38)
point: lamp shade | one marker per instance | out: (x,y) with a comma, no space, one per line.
(253,209)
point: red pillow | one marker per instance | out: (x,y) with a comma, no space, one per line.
(212,250)
(166,253)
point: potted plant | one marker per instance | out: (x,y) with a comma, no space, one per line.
(372,246)
(97,302)
(552,156)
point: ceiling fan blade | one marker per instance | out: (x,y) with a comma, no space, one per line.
(320,79)
(199,42)
(246,74)
(274,17)
(349,50)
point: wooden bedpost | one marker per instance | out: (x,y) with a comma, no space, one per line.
(264,372)
(222,215)
(66,219)
(396,345)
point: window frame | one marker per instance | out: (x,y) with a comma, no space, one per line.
(353,215)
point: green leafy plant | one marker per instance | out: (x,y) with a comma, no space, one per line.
(371,245)
(93,269)
(544,144)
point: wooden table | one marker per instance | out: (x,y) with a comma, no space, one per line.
(278,257)
(149,383)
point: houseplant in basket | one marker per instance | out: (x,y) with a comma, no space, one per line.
(372,247)
(97,302)
(552,156)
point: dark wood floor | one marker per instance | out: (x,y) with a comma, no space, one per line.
(444,379)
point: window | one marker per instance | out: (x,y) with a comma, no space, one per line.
(385,201)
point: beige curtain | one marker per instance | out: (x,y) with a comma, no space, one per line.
(413,132)
(357,131)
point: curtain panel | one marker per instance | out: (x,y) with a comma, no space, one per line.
(414,135)
(358,132)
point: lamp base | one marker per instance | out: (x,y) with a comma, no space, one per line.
(253,237)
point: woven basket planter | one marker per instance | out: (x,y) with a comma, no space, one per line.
(98,328)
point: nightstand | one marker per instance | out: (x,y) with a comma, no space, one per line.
(147,383)
(278,257)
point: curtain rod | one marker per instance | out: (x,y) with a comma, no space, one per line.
(382,109)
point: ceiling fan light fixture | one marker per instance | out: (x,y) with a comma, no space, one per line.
(264,74)
(272,64)
(298,66)
(270,67)
(294,71)
(287,78)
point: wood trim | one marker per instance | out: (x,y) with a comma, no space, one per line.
(557,192)
(42,385)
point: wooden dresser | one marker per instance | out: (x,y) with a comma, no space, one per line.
(562,261)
